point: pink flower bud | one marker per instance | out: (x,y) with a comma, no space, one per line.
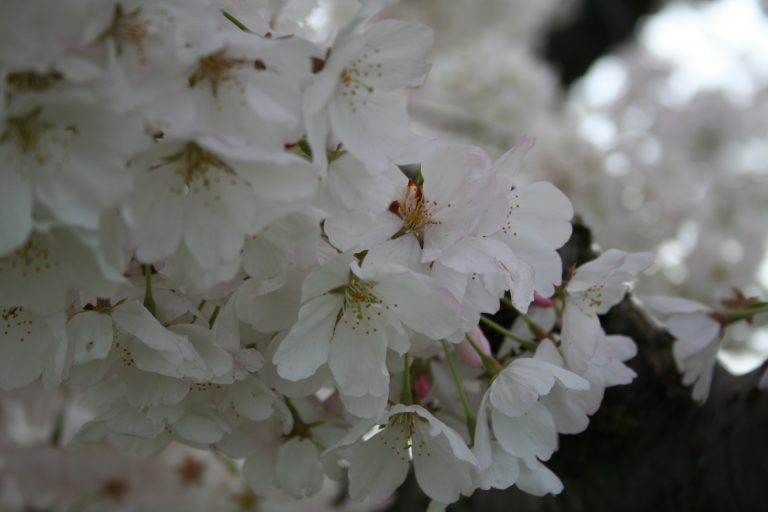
(422,384)
(541,302)
(468,354)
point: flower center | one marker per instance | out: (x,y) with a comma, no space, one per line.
(415,211)
(218,69)
(358,295)
(198,169)
(29,81)
(128,27)
(591,298)
(25,131)
(33,257)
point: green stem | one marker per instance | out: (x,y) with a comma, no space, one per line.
(300,428)
(239,24)
(200,307)
(214,316)
(149,301)
(748,312)
(229,464)
(532,325)
(528,344)
(406,394)
(490,364)
(469,416)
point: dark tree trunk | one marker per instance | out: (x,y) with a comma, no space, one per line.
(649,447)
(597,28)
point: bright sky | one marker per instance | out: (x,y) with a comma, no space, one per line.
(723,44)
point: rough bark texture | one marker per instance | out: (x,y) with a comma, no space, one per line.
(649,447)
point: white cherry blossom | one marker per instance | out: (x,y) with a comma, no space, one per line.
(355,313)
(697,340)
(521,421)
(355,95)
(596,287)
(442,461)
(66,157)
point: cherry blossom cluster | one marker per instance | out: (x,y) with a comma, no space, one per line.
(204,231)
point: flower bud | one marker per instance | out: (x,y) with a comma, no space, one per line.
(541,302)
(468,354)
(422,384)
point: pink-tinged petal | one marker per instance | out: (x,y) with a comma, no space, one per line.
(468,354)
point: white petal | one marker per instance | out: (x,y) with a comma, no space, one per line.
(15,210)
(378,466)
(669,305)
(251,399)
(695,351)
(91,333)
(217,361)
(372,126)
(200,429)
(530,436)
(540,209)
(482,447)
(394,54)
(612,272)
(510,162)
(297,469)
(148,390)
(519,385)
(439,473)
(259,471)
(273,311)
(25,344)
(306,346)
(581,335)
(420,303)
(535,478)
(132,317)
(333,274)
(365,406)
(361,230)
(357,356)
(503,471)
